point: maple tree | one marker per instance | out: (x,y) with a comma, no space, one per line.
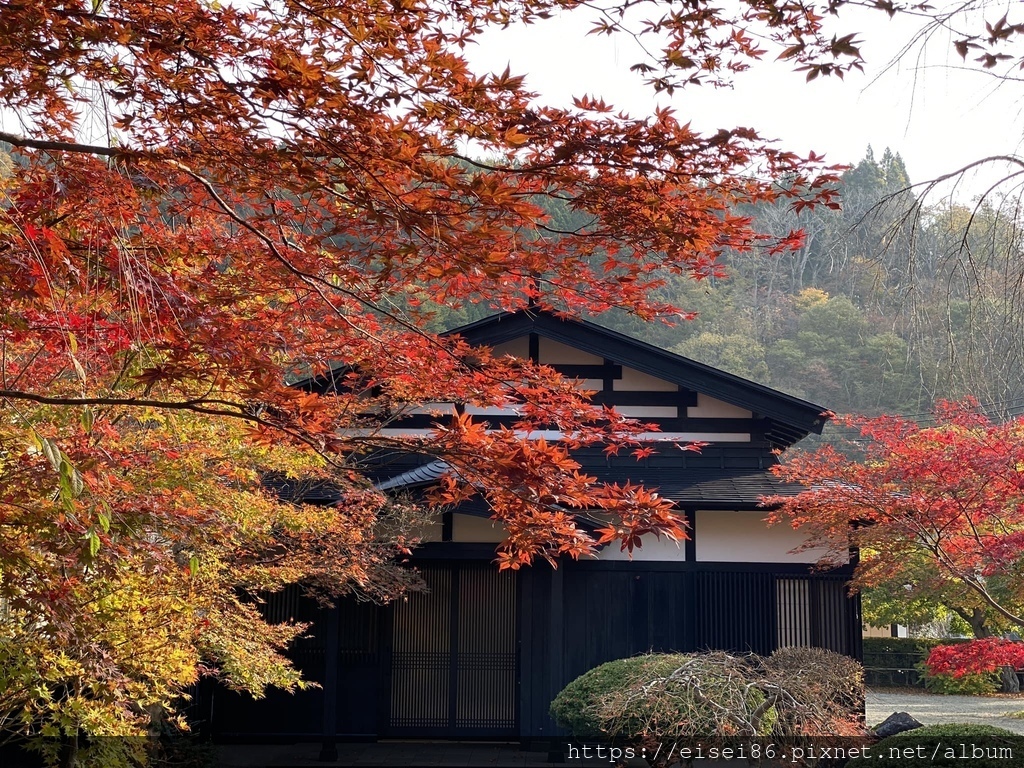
(946,499)
(920,596)
(130,551)
(977,657)
(280,187)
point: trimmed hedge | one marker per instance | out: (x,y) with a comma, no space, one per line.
(665,697)
(576,706)
(715,697)
(918,646)
(951,745)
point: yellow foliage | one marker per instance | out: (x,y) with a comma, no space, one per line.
(810,297)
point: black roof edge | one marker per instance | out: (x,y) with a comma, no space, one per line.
(804,416)
(325,382)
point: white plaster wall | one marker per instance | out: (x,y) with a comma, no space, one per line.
(519,347)
(470,528)
(637,381)
(653,550)
(648,411)
(388,432)
(744,537)
(553,352)
(432,531)
(709,408)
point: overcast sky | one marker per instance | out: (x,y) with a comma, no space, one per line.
(936,115)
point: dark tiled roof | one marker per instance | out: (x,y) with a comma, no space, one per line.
(705,488)
(421,475)
(720,488)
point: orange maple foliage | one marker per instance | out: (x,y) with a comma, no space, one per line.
(280,186)
(948,496)
(283,186)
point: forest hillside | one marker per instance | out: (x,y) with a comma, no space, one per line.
(890,303)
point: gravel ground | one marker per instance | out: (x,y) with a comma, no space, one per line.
(930,709)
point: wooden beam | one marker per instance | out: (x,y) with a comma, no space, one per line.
(556,630)
(608,385)
(681,399)
(690,545)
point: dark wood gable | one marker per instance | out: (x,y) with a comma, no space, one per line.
(744,423)
(781,419)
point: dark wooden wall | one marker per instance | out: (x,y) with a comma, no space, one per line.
(609,610)
(562,622)
(299,715)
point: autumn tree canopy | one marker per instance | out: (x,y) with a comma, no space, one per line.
(206,200)
(940,508)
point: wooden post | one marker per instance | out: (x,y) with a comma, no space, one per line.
(689,576)
(524,642)
(329,746)
(557,630)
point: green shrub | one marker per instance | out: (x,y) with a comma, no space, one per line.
(661,697)
(971,684)
(825,692)
(953,745)
(576,706)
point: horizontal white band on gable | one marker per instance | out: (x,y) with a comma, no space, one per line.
(554,434)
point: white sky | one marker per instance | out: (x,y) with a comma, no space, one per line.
(938,116)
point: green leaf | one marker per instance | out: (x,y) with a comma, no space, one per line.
(193,565)
(51,452)
(88,418)
(94,543)
(66,494)
(73,476)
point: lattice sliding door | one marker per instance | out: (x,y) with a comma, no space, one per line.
(454,655)
(421,655)
(486,656)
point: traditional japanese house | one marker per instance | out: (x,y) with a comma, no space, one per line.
(482,654)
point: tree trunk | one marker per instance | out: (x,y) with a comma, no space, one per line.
(1008,679)
(977,622)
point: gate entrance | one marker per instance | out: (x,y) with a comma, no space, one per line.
(454,655)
